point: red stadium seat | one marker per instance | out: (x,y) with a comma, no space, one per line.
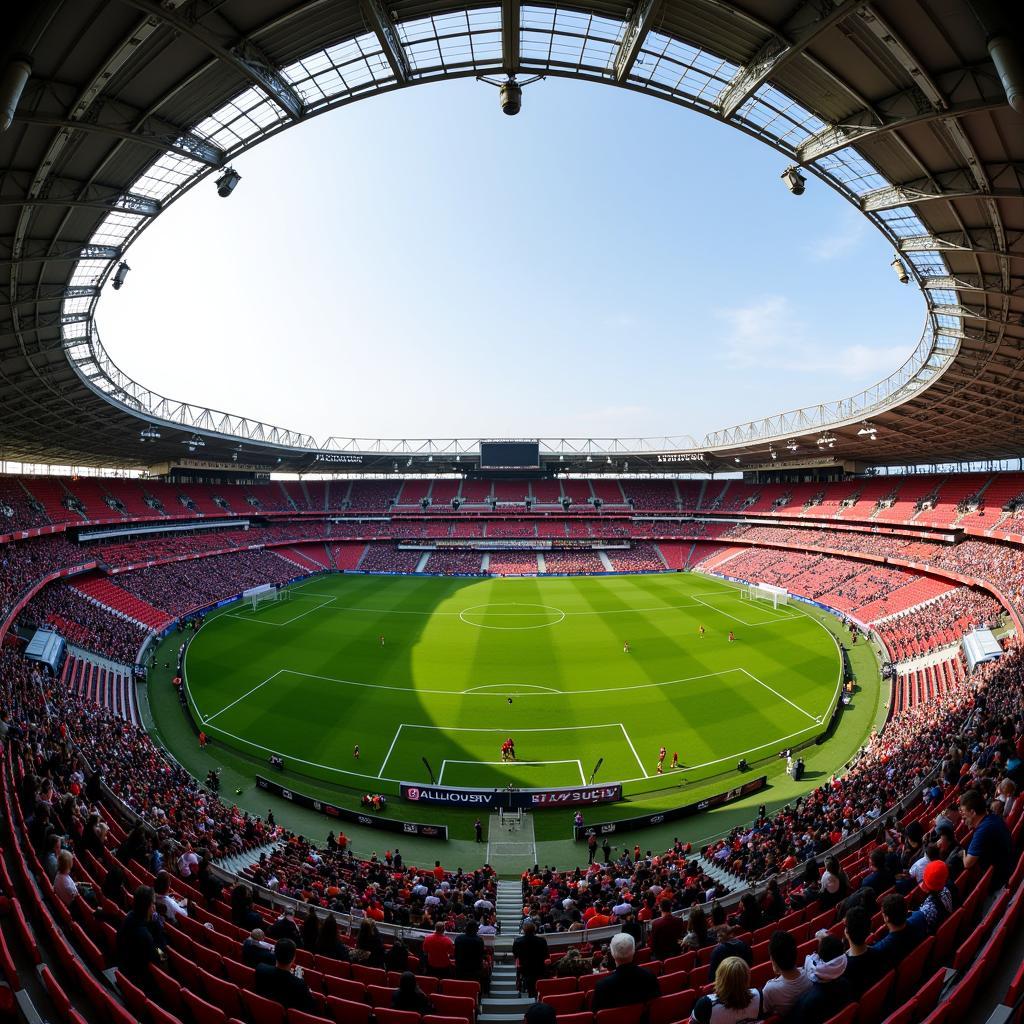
(555,986)
(387,1016)
(260,1010)
(871,1002)
(201,1011)
(158,1015)
(621,1015)
(667,1009)
(298,1017)
(566,1002)
(347,1011)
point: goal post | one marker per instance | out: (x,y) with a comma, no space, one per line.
(778,596)
(257,596)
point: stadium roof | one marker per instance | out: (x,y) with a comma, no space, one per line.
(897,104)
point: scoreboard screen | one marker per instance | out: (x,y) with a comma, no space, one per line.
(509,455)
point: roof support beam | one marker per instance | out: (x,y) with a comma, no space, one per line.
(976,313)
(1006,182)
(50,102)
(640,24)
(965,90)
(809,20)
(243,56)
(190,146)
(67,193)
(982,241)
(510,30)
(383,27)
(42,250)
(985,284)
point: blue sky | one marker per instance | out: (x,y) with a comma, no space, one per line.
(418,264)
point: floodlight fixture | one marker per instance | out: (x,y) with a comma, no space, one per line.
(795,181)
(510,91)
(120,274)
(900,269)
(12,84)
(227,181)
(792,446)
(736,459)
(149,434)
(867,430)
(1008,57)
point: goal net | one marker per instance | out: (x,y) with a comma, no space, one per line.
(510,821)
(258,596)
(766,592)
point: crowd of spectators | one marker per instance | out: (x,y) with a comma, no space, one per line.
(18,511)
(83,623)
(573,562)
(451,563)
(638,558)
(181,587)
(23,563)
(382,888)
(513,563)
(388,558)
(893,763)
(938,624)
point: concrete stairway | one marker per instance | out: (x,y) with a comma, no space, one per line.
(722,877)
(240,861)
(505,1005)
(509,907)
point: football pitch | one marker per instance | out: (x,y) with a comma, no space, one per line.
(419,669)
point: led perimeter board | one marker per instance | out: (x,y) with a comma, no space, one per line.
(509,455)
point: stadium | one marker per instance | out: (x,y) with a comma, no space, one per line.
(576,730)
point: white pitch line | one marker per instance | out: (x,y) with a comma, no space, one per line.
(635,754)
(244,740)
(779,695)
(474,691)
(475,728)
(394,740)
(735,618)
(228,707)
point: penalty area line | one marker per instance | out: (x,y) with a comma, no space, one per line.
(228,707)
(781,696)
(394,740)
(635,754)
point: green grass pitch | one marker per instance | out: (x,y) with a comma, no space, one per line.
(308,678)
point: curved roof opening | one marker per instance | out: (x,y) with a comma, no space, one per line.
(600,265)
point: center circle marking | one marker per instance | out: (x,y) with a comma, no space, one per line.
(515,610)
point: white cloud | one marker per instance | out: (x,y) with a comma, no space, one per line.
(849,232)
(769,335)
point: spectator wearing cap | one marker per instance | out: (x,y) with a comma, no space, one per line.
(830,990)
(902,937)
(939,902)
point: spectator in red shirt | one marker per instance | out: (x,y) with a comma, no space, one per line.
(438,950)
(666,933)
